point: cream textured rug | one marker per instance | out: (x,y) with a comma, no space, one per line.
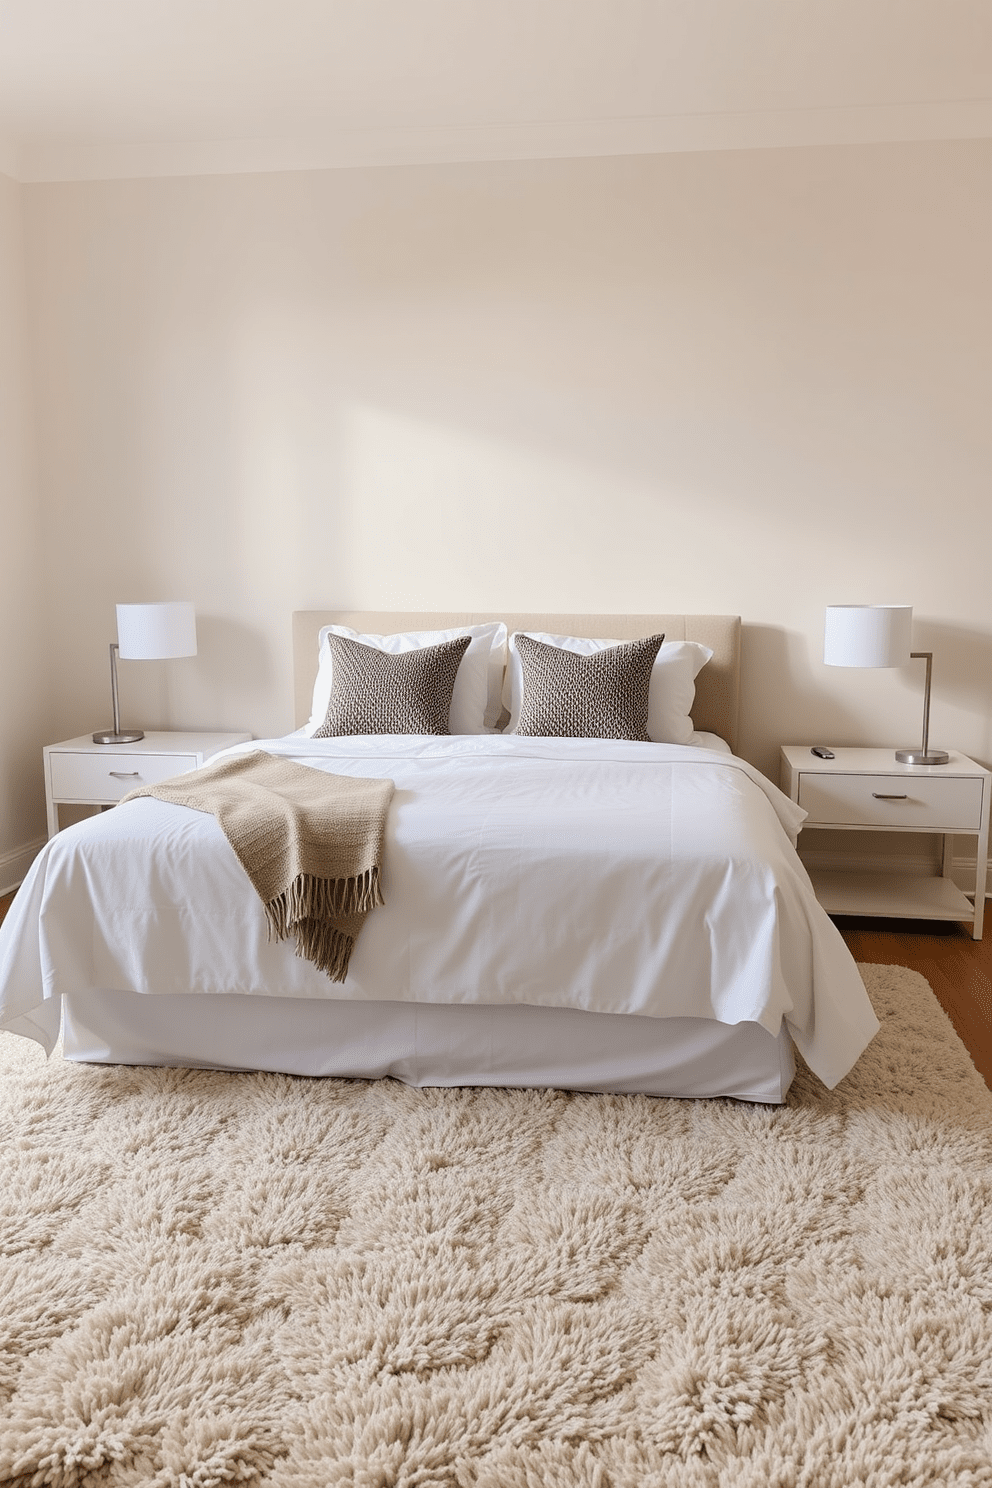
(211,1279)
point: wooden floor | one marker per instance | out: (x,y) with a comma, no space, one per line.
(958,969)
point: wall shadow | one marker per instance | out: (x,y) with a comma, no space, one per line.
(962,662)
(234,661)
(780,700)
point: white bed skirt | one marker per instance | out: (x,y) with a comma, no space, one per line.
(432,1044)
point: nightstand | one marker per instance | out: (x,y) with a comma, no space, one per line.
(868,790)
(79,772)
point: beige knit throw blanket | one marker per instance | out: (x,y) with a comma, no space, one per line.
(310,842)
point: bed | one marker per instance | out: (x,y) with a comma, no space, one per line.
(591,914)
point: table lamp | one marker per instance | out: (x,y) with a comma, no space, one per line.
(147,632)
(880,636)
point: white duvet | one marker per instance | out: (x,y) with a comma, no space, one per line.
(619,878)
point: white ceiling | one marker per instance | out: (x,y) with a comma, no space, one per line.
(106,88)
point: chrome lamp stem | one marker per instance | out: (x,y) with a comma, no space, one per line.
(924,755)
(114,735)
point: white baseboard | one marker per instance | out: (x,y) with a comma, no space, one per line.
(963,874)
(927,863)
(15,864)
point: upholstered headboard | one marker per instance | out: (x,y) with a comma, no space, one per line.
(717,686)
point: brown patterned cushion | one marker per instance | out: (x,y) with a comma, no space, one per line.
(602,696)
(373,692)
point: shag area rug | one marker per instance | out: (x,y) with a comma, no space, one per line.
(211,1279)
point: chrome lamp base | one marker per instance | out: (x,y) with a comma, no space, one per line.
(116,735)
(108,736)
(922,756)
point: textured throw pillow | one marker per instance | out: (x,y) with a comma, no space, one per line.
(476,702)
(673,682)
(374,692)
(602,696)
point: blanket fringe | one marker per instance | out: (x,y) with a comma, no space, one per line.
(310,898)
(329,949)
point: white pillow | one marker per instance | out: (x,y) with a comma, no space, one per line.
(476,702)
(673,682)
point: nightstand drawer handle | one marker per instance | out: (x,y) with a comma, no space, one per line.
(123,774)
(879,797)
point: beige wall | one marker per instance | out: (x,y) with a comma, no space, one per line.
(25,716)
(756,382)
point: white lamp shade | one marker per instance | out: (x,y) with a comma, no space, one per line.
(156,632)
(867,635)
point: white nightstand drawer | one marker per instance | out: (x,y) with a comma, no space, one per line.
(95,777)
(899,800)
